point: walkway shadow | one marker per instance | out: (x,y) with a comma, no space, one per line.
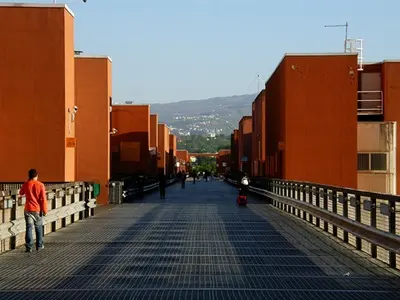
(270,261)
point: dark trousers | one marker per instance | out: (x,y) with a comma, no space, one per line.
(243,190)
(183,184)
(162,191)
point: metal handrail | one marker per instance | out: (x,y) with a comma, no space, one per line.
(376,109)
(366,220)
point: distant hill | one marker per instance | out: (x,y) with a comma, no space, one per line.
(212,116)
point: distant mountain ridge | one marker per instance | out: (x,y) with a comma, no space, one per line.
(213,116)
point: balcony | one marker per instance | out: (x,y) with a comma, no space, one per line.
(370,103)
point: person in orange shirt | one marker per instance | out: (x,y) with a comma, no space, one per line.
(35,209)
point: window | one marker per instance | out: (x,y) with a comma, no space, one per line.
(372,161)
(378,162)
(363,161)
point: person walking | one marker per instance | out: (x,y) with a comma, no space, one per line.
(35,209)
(162,182)
(183,180)
(244,185)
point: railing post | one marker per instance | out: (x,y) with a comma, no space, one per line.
(54,206)
(304,199)
(298,198)
(358,219)
(285,193)
(334,210)
(63,204)
(325,198)
(310,200)
(86,199)
(292,195)
(373,224)
(13,239)
(346,215)
(82,197)
(317,200)
(392,229)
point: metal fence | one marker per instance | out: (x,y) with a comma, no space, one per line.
(129,188)
(368,221)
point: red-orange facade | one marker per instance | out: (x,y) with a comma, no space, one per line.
(130,145)
(311,119)
(37,93)
(163,149)
(223,161)
(182,157)
(234,151)
(245,144)
(172,154)
(93,98)
(259,135)
(153,143)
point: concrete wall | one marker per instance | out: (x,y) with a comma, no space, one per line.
(36,91)
(163,148)
(93,90)
(311,111)
(258,135)
(130,146)
(244,143)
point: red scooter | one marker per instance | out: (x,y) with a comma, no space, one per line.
(242,198)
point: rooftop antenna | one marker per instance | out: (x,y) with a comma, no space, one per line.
(346,31)
(258,83)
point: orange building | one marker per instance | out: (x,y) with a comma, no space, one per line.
(244,144)
(153,143)
(93,90)
(235,151)
(258,135)
(182,156)
(163,148)
(311,119)
(37,95)
(223,161)
(130,145)
(172,154)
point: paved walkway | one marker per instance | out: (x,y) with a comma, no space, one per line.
(196,244)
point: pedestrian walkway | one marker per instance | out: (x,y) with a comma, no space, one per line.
(195,244)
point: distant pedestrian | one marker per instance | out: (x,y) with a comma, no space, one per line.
(35,209)
(194,175)
(162,182)
(183,180)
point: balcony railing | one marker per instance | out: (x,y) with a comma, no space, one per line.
(370,103)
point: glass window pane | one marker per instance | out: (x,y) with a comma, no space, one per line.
(378,162)
(363,162)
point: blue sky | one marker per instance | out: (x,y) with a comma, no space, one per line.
(176,50)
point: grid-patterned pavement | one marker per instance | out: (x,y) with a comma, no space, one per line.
(196,244)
